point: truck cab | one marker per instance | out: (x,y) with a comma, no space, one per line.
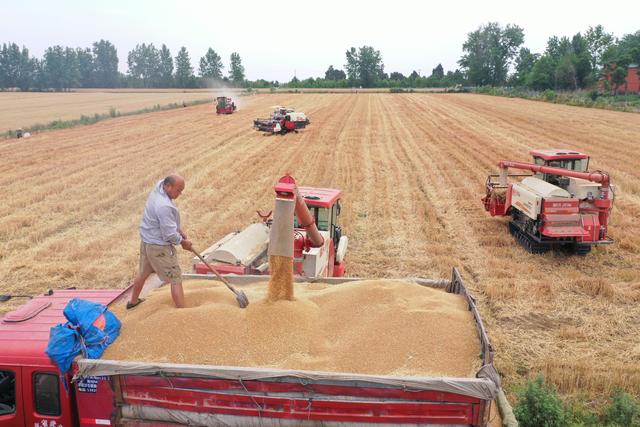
(32,391)
(557,158)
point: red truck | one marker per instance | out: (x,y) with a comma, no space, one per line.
(104,392)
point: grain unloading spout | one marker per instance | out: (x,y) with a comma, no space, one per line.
(281,232)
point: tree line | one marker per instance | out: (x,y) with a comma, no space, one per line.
(492,56)
(495,56)
(63,68)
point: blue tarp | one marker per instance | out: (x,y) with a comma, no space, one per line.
(90,329)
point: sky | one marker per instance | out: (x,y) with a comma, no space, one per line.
(277,40)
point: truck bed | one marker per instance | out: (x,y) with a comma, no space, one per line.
(225,395)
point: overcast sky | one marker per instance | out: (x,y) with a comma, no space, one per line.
(277,38)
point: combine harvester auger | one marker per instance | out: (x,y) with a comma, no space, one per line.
(561,204)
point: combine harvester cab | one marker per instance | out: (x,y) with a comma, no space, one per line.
(245,252)
(225,105)
(561,204)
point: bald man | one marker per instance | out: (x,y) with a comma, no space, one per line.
(159,232)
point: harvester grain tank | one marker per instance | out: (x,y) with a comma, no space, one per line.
(320,246)
(561,204)
(225,105)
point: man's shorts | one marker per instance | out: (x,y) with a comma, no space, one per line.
(163,260)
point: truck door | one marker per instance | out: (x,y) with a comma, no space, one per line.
(11,407)
(46,402)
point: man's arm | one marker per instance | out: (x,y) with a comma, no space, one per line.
(169,225)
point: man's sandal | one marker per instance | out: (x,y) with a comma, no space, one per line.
(130,306)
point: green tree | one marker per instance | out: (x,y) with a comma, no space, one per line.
(16,68)
(438,72)
(488,52)
(542,75)
(623,409)
(598,42)
(60,67)
(333,74)
(626,51)
(184,71)
(144,65)
(364,66)
(524,64)
(166,67)
(565,73)
(618,78)
(86,69)
(236,69)
(581,60)
(105,64)
(211,65)
(538,405)
(396,76)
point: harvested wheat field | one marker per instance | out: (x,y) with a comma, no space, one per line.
(24,109)
(385,327)
(412,168)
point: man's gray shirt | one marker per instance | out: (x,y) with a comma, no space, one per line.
(161,219)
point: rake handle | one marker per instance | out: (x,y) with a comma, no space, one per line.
(222,279)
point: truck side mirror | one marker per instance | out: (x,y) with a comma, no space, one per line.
(338,208)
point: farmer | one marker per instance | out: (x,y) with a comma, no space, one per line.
(159,232)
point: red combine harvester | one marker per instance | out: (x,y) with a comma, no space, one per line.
(136,393)
(283,120)
(225,105)
(245,252)
(561,204)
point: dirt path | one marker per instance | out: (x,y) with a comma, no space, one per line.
(412,168)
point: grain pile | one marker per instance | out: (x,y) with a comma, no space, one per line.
(370,327)
(281,281)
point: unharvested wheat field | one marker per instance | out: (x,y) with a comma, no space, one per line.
(412,168)
(24,109)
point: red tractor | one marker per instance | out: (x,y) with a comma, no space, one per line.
(561,204)
(245,252)
(225,105)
